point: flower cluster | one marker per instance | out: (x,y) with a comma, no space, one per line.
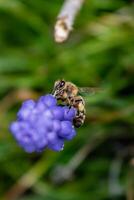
(43,124)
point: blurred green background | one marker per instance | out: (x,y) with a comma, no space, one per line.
(99,163)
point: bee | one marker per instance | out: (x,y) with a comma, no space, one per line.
(68,93)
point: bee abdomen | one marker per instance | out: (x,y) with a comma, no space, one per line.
(79,120)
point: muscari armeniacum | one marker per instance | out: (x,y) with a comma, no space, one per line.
(43,124)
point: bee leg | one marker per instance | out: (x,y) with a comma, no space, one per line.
(70,106)
(69,103)
(77,122)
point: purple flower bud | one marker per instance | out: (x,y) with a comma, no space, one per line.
(30,148)
(66,129)
(47,123)
(40,106)
(41,144)
(58,112)
(69,113)
(49,100)
(28,104)
(52,137)
(32,118)
(71,135)
(23,113)
(47,114)
(57,145)
(14,128)
(56,125)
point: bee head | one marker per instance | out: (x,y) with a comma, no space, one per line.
(58,88)
(59,84)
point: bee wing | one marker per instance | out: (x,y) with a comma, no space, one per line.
(89,90)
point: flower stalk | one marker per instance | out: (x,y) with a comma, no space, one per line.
(65,19)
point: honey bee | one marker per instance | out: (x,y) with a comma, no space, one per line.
(68,93)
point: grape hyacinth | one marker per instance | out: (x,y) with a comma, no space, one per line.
(43,124)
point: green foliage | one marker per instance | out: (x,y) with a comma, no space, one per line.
(98,53)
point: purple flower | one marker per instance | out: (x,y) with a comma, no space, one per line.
(43,124)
